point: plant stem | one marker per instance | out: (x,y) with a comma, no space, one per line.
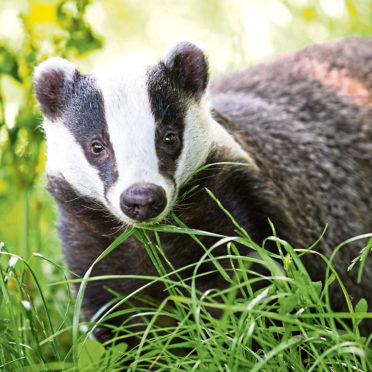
(25,224)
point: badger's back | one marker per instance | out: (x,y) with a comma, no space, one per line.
(306,119)
(310,95)
(133,141)
(342,68)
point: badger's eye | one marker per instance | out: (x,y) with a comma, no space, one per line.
(170,139)
(96,148)
(171,143)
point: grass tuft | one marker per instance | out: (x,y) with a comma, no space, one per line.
(286,325)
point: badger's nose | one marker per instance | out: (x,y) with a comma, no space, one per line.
(143,201)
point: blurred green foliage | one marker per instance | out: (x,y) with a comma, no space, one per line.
(26,212)
(23,208)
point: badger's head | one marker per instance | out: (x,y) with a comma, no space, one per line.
(127,137)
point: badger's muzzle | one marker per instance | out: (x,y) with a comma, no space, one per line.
(143,201)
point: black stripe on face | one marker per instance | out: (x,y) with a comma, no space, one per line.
(84,116)
(168,106)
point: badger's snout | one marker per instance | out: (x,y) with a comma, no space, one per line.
(143,201)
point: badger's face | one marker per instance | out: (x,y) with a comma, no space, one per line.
(127,137)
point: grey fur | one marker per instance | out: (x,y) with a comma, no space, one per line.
(313,140)
(306,120)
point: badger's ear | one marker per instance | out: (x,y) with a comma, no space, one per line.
(188,67)
(51,80)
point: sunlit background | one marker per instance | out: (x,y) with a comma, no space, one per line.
(235,33)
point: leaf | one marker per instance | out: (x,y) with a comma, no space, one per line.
(84,40)
(318,287)
(90,353)
(8,63)
(81,39)
(287,304)
(287,262)
(4,324)
(330,280)
(361,306)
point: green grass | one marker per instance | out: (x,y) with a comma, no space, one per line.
(286,326)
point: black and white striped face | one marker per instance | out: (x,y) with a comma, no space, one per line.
(127,136)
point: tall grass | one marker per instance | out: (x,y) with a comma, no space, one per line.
(287,325)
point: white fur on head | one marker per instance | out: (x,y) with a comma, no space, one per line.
(197,141)
(66,157)
(132,132)
(131,127)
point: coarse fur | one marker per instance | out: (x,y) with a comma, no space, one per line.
(304,120)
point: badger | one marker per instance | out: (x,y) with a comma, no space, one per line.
(124,143)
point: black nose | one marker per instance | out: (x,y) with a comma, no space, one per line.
(143,201)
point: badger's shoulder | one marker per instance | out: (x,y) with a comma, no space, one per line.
(304,97)
(345,66)
(305,118)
